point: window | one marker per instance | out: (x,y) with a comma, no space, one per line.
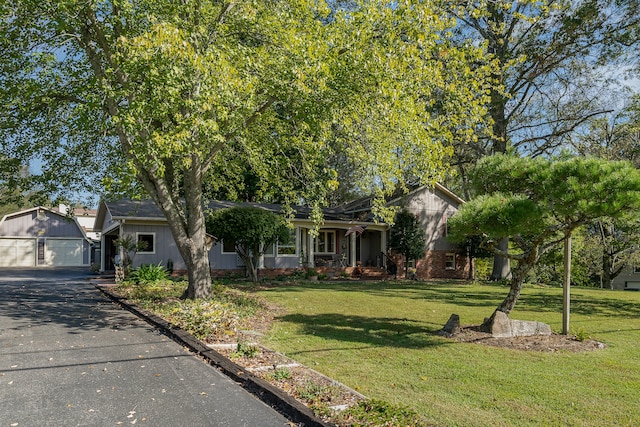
(289,248)
(636,269)
(450,261)
(228,246)
(146,243)
(325,242)
(268,251)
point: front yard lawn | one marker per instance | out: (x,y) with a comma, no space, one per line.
(379,338)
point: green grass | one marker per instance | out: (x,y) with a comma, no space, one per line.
(379,339)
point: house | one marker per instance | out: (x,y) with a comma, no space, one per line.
(628,279)
(86,219)
(347,238)
(43,237)
(433,206)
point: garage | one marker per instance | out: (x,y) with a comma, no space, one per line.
(42,237)
(17,252)
(63,252)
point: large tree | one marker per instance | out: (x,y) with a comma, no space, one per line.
(616,136)
(537,203)
(550,62)
(166,96)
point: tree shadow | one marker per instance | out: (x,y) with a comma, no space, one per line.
(584,305)
(76,306)
(445,292)
(373,331)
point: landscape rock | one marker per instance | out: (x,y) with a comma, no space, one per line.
(452,326)
(503,327)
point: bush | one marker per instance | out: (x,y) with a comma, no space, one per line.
(149,273)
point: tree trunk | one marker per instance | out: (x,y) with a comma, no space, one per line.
(501,265)
(252,269)
(187,224)
(515,287)
(607,280)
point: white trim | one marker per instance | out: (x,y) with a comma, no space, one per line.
(155,242)
(326,233)
(295,246)
(446,260)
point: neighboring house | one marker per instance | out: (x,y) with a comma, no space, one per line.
(347,238)
(628,279)
(86,218)
(42,237)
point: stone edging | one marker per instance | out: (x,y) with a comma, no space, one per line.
(269,394)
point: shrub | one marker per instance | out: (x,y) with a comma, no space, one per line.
(246,349)
(149,273)
(280,374)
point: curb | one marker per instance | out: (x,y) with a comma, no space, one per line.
(266,392)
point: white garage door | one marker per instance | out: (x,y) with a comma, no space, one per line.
(63,252)
(17,252)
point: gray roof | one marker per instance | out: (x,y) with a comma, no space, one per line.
(147,209)
(359,210)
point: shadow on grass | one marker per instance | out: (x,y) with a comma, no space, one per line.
(467,295)
(456,293)
(580,304)
(373,331)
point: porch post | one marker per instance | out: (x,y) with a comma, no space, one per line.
(103,245)
(383,247)
(310,239)
(352,261)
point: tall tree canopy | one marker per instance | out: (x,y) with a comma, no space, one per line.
(537,203)
(550,62)
(165,96)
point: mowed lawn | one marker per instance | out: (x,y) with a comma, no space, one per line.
(379,339)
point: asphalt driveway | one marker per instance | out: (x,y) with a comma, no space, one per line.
(68,356)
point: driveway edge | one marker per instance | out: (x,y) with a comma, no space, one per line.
(266,392)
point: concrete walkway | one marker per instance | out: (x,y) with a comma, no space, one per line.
(70,357)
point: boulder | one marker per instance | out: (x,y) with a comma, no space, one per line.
(452,326)
(503,327)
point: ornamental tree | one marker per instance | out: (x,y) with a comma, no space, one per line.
(537,203)
(253,230)
(163,98)
(407,236)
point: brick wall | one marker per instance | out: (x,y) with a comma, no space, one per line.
(434,266)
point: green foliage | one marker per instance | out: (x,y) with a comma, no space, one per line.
(246,349)
(540,197)
(252,229)
(315,393)
(167,98)
(280,374)
(407,236)
(149,273)
(581,335)
(537,202)
(374,413)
